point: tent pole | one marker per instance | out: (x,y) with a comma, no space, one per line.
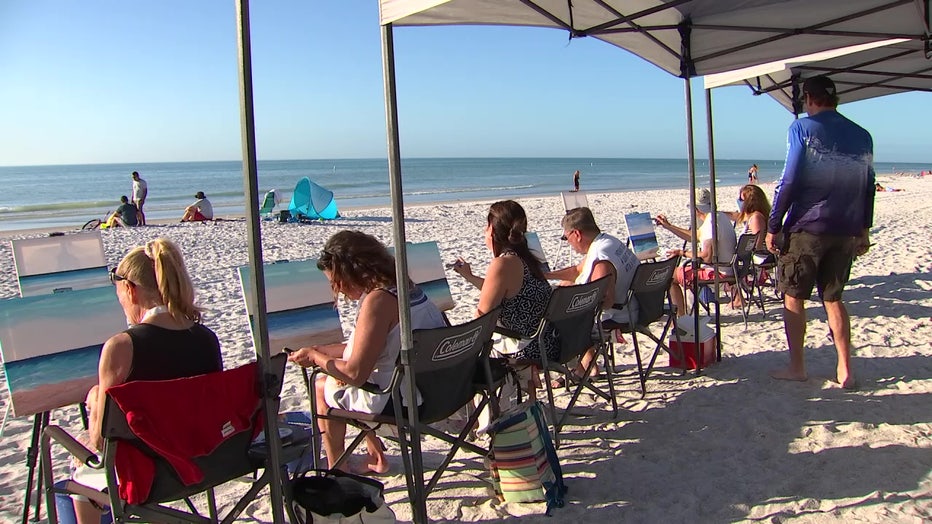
(797,105)
(693,226)
(416,495)
(251,181)
(687,71)
(709,130)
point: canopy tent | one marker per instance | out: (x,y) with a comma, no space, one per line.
(311,201)
(859,72)
(723,34)
(686,38)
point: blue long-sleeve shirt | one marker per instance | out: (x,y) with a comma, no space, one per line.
(827,186)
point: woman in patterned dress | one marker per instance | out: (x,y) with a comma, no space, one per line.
(514,280)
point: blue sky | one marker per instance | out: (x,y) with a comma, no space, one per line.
(115,81)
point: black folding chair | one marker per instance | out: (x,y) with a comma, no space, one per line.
(572,313)
(741,271)
(650,289)
(235,457)
(445,362)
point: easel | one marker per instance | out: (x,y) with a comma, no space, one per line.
(50,265)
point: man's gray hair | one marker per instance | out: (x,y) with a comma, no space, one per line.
(580,218)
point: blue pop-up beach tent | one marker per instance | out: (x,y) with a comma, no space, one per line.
(312,201)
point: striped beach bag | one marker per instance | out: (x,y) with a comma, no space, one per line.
(525,467)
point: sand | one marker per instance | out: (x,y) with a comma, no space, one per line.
(729,445)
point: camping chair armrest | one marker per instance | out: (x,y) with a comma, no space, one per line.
(368,386)
(78,450)
(100,498)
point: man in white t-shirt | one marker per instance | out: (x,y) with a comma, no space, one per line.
(200,210)
(727,243)
(605,255)
(140,191)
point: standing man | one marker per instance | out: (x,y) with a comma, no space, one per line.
(826,194)
(140,190)
(604,255)
(576,181)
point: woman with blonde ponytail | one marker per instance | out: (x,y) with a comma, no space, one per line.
(165,339)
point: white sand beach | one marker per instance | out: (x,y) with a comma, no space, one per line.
(731,445)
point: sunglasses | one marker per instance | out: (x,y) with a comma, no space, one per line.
(566,234)
(114,277)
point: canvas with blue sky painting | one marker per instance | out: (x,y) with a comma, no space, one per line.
(59,263)
(51,345)
(425,267)
(299,302)
(642,236)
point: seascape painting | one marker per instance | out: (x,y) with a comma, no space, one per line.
(51,368)
(300,305)
(425,268)
(642,236)
(55,264)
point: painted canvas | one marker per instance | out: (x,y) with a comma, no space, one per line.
(642,236)
(426,270)
(300,305)
(51,345)
(61,263)
(533,243)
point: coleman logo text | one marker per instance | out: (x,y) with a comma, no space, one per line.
(453,346)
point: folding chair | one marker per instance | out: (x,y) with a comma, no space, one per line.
(650,286)
(574,199)
(159,464)
(572,312)
(445,362)
(268,204)
(741,270)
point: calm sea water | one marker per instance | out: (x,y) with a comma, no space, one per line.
(68,195)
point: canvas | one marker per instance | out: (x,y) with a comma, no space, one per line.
(425,267)
(51,345)
(301,311)
(642,236)
(61,263)
(533,243)
(574,199)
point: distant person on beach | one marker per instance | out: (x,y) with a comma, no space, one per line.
(824,206)
(515,281)
(727,242)
(361,268)
(879,188)
(140,190)
(125,215)
(200,210)
(605,255)
(166,341)
(752,175)
(576,181)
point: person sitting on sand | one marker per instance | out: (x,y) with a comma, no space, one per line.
(125,215)
(166,341)
(361,268)
(727,242)
(879,188)
(200,210)
(515,281)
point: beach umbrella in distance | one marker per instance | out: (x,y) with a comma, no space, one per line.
(686,38)
(261,330)
(859,72)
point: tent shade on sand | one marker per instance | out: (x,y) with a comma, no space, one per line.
(310,201)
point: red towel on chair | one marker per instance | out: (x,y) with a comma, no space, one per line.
(182,419)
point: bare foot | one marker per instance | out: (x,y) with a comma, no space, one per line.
(369,466)
(848,383)
(789,374)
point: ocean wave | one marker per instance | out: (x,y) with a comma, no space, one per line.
(61,206)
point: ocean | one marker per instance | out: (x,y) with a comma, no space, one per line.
(66,196)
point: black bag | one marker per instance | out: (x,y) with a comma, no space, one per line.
(336,493)
(284,216)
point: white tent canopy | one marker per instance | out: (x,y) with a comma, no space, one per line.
(859,73)
(688,37)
